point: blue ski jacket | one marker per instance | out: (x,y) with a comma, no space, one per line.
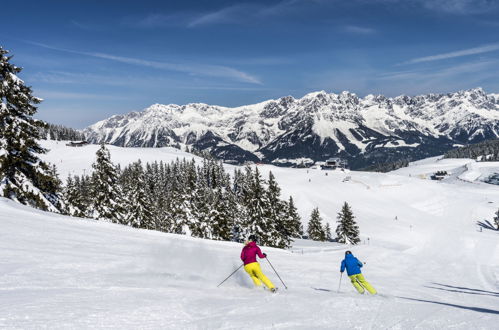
(352,265)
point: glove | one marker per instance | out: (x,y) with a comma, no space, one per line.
(265,255)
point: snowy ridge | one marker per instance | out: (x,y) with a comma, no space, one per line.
(318,126)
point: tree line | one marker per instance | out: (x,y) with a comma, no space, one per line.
(182,197)
(387,167)
(60,133)
(483,151)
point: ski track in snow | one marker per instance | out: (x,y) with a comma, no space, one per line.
(431,265)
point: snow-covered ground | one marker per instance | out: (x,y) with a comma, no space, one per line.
(461,169)
(424,252)
(78,160)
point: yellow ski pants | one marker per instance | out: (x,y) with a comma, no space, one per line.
(360,283)
(255,272)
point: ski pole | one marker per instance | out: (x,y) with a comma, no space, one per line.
(230,275)
(276,272)
(339,285)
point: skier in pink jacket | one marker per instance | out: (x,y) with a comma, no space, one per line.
(251,266)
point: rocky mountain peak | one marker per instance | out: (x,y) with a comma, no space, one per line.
(317,126)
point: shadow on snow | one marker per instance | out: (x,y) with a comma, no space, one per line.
(486,224)
(460,289)
(475,309)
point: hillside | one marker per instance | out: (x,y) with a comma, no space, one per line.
(425,254)
(432,266)
(483,151)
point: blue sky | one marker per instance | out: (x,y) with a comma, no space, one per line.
(92,59)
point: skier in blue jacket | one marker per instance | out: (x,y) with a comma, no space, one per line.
(353,266)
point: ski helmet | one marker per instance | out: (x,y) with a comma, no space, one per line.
(252,238)
(348,252)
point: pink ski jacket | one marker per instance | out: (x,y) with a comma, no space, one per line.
(249,252)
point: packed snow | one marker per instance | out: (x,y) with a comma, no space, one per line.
(432,264)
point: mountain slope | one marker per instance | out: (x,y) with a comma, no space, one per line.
(318,126)
(431,265)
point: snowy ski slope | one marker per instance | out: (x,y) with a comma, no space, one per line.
(426,257)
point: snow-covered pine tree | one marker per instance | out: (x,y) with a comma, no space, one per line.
(327,230)
(72,198)
(347,230)
(156,189)
(238,192)
(276,215)
(178,206)
(23,176)
(224,211)
(496,220)
(255,205)
(138,207)
(85,191)
(107,197)
(201,204)
(293,219)
(315,230)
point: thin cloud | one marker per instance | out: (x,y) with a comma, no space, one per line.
(461,7)
(64,78)
(83,26)
(248,12)
(245,12)
(193,69)
(460,53)
(152,21)
(262,61)
(359,29)
(483,67)
(454,7)
(224,15)
(48,94)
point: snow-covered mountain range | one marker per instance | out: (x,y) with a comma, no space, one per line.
(365,131)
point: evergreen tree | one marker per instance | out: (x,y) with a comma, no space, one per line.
(201,205)
(139,209)
(23,176)
(276,215)
(293,219)
(107,197)
(224,213)
(239,188)
(85,197)
(255,205)
(72,197)
(315,230)
(156,187)
(327,230)
(347,230)
(178,200)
